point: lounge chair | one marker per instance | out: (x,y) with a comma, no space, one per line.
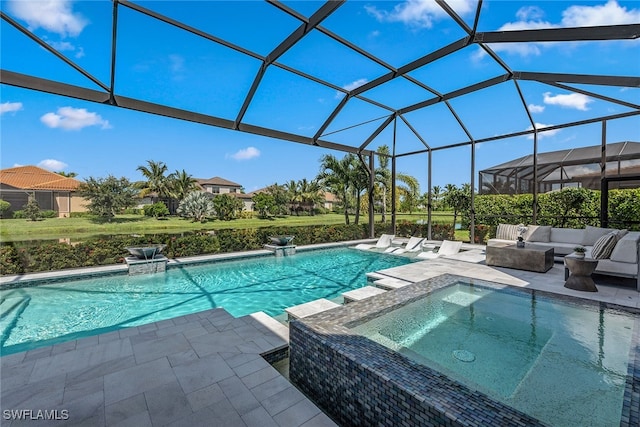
(383,242)
(447,247)
(413,245)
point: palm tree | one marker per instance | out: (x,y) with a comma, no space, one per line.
(309,194)
(67,174)
(157,182)
(293,194)
(436,193)
(181,184)
(409,192)
(336,175)
(359,182)
(383,177)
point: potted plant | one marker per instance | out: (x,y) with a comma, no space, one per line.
(579,251)
(522,229)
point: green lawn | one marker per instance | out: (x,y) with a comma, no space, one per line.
(79,228)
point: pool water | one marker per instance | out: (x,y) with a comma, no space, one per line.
(41,315)
(564,364)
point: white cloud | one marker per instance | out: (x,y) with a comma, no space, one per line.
(531,18)
(533,108)
(572,100)
(10,107)
(246,153)
(529,12)
(55,16)
(17,165)
(418,13)
(351,86)
(610,13)
(70,118)
(53,165)
(542,134)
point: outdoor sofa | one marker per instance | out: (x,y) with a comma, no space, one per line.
(622,260)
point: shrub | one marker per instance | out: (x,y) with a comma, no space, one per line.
(48,214)
(197,206)
(5,209)
(133,211)
(19,214)
(32,209)
(480,232)
(156,210)
(10,262)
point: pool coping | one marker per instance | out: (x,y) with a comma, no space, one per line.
(427,394)
(18,280)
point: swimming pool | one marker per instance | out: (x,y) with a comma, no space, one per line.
(480,353)
(41,315)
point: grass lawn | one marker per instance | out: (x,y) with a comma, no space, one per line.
(79,228)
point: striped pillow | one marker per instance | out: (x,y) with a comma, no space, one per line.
(507,232)
(603,247)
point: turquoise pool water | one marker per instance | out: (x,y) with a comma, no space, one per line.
(565,364)
(46,314)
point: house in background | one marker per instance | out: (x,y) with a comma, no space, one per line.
(217,185)
(52,191)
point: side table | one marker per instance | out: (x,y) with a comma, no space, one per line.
(581,270)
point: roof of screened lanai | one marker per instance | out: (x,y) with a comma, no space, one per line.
(376,96)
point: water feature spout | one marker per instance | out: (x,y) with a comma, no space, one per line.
(281,240)
(145,252)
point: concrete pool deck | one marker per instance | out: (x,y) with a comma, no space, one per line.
(206,368)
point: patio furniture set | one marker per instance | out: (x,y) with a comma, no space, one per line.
(607,251)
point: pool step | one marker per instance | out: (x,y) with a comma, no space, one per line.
(373,276)
(361,293)
(310,308)
(391,283)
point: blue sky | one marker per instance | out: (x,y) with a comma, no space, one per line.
(161,64)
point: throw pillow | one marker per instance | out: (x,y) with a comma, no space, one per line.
(541,233)
(507,232)
(622,233)
(603,247)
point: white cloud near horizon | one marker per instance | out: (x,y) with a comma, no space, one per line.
(533,108)
(53,165)
(69,118)
(246,154)
(55,16)
(542,134)
(10,107)
(531,18)
(572,100)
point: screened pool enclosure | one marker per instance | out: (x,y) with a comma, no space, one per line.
(373,73)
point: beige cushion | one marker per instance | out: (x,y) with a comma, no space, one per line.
(626,249)
(507,232)
(567,235)
(591,234)
(538,233)
(603,247)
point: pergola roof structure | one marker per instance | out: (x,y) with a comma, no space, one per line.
(311,29)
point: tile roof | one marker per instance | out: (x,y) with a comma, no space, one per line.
(35,178)
(216,180)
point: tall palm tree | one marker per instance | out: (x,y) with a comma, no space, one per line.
(157,182)
(293,193)
(409,192)
(181,184)
(383,177)
(359,182)
(309,194)
(336,175)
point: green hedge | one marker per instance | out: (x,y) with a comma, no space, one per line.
(570,208)
(45,256)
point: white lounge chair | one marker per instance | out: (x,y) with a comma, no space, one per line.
(413,245)
(383,242)
(447,247)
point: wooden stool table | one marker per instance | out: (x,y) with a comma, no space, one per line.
(581,270)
